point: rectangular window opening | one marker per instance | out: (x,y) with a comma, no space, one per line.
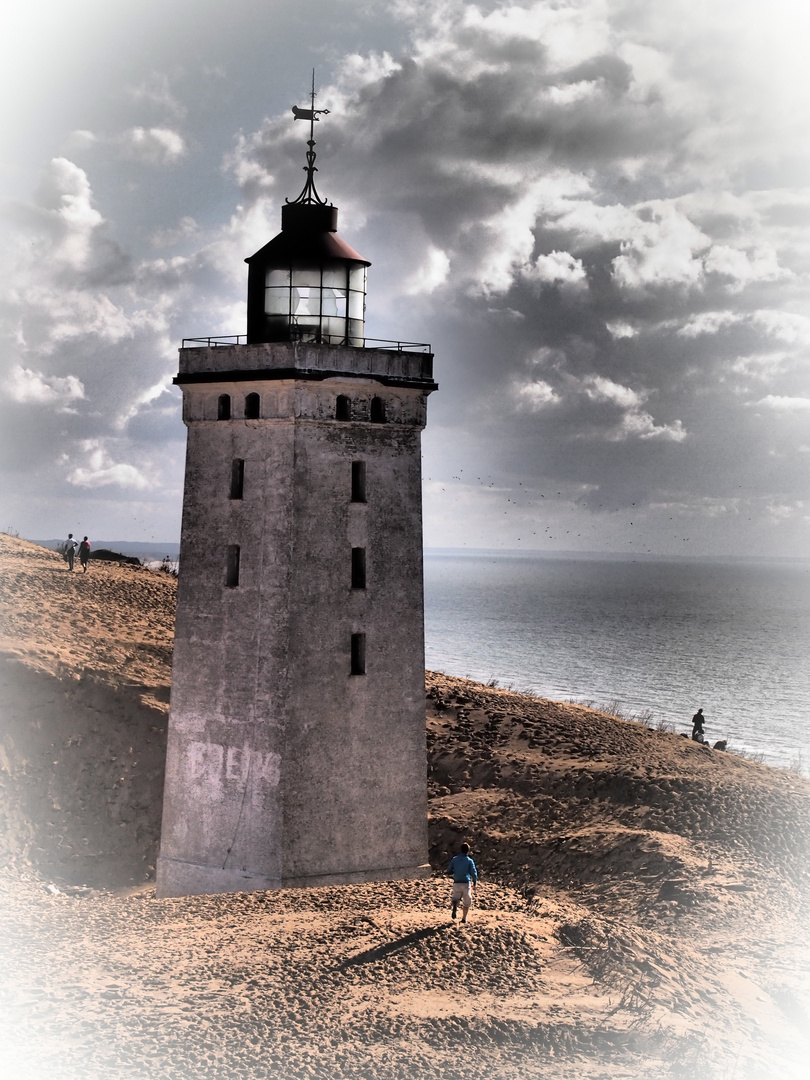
(232,569)
(358,481)
(358,654)
(237,478)
(358,568)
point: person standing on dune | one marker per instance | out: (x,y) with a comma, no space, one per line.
(70,546)
(697,726)
(84,553)
(465,879)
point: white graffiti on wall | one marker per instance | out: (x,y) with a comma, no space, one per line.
(213,766)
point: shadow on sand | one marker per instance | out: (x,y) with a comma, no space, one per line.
(379,952)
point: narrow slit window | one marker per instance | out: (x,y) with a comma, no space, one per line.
(252,406)
(343,407)
(224,407)
(237,478)
(358,481)
(358,654)
(377,411)
(358,568)
(232,570)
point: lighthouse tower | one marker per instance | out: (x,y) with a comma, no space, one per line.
(297,726)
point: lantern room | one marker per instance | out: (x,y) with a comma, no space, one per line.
(307,284)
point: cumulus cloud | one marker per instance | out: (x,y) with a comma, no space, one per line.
(557,268)
(739,268)
(431,273)
(663,249)
(26,386)
(593,408)
(635,422)
(152,146)
(618,328)
(101,471)
(81,139)
(598,388)
(538,394)
(780,403)
(709,322)
(639,424)
(788,326)
(65,196)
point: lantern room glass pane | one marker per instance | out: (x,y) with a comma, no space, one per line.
(357,278)
(306,301)
(333,328)
(277,301)
(334,302)
(356,305)
(276,278)
(309,278)
(334,279)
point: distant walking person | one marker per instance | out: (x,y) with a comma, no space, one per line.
(84,553)
(697,726)
(70,550)
(465,878)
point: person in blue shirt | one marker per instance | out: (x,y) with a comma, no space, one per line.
(465,878)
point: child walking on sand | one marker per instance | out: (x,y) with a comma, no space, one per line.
(465,878)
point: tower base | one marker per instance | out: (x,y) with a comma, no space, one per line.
(176,878)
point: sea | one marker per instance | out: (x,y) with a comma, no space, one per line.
(650,638)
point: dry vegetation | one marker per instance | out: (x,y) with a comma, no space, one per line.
(642,913)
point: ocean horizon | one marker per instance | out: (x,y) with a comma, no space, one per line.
(653,637)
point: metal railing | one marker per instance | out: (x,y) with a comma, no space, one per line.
(229,340)
(220,341)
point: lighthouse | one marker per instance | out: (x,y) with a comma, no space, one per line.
(296,751)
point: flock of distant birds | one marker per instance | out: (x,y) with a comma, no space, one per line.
(483,483)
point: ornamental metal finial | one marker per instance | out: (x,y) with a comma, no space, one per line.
(309,194)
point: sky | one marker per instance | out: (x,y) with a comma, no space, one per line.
(596,211)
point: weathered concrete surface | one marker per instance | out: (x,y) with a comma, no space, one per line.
(283,768)
(305,357)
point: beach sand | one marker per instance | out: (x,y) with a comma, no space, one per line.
(642,912)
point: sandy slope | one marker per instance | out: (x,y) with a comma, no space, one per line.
(643,909)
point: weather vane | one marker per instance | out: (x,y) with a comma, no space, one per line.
(309,194)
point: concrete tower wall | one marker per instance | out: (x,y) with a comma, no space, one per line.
(283,766)
(355,778)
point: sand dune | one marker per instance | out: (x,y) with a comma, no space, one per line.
(642,912)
